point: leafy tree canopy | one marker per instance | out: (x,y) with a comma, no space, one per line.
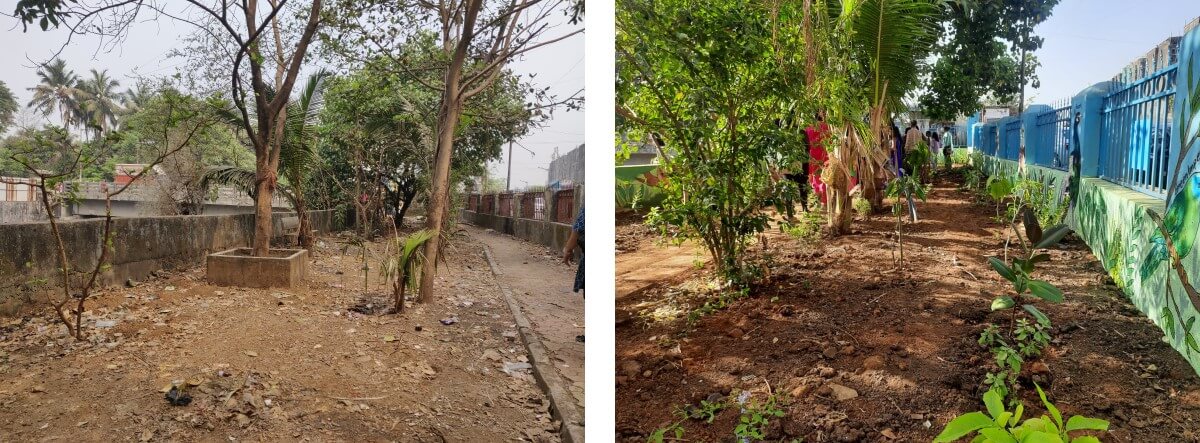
(986,55)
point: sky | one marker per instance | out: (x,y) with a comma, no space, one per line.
(144,53)
(1090,41)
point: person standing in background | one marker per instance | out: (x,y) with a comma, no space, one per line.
(935,147)
(897,157)
(817,155)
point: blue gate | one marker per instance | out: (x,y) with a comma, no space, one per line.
(1012,140)
(1136,141)
(1052,138)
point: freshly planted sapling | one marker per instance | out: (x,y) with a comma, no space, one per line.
(900,189)
(999,188)
(1020,273)
(1023,339)
(1000,425)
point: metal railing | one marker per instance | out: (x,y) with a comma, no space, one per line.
(1135,143)
(1051,142)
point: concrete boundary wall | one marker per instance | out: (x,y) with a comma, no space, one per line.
(21,212)
(1113,221)
(541,232)
(141,244)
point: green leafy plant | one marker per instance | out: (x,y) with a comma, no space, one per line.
(999,188)
(404,258)
(1040,198)
(707,412)
(716,303)
(999,425)
(805,227)
(659,435)
(900,189)
(1028,340)
(1026,336)
(755,418)
(916,161)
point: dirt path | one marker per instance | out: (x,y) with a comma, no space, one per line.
(650,266)
(834,314)
(275,365)
(542,285)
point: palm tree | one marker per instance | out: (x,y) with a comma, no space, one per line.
(297,154)
(57,92)
(133,100)
(889,39)
(99,101)
(8,107)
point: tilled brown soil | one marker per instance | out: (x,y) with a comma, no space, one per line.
(834,314)
(314,363)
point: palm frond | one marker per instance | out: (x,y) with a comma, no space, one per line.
(408,259)
(893,37)
(241,178)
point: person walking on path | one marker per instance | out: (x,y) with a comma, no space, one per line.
(573,241)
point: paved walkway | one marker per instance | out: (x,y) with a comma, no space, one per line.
(541,283)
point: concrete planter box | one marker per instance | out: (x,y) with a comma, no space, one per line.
(283,268)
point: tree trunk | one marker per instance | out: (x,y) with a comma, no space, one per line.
(439,197)
(406,201)
(305,237)
(264,189)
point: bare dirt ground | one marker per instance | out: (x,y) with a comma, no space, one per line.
(542,285)
(304,364)
(833,314)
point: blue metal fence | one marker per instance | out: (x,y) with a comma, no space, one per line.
(1011,139)
(1051,142)
(987,139)
(1136,139)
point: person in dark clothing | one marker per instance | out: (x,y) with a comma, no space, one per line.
(897,150)
(801,177)
(573,241)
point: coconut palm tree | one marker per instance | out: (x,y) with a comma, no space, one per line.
(58,91)
(297,154)
(99,101)
(133,100)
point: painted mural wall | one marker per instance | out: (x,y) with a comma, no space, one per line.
(1146,243)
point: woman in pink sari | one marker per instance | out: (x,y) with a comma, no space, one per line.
(817,154)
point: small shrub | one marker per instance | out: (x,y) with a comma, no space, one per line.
(755,418)
(999,425)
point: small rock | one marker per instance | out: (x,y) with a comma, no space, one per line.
(512,368)
(848,350)
(830,352)
(736,333)
(827,372)
(874,363)
(630,368)
(37,388)
(842,393)
(1039,368)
